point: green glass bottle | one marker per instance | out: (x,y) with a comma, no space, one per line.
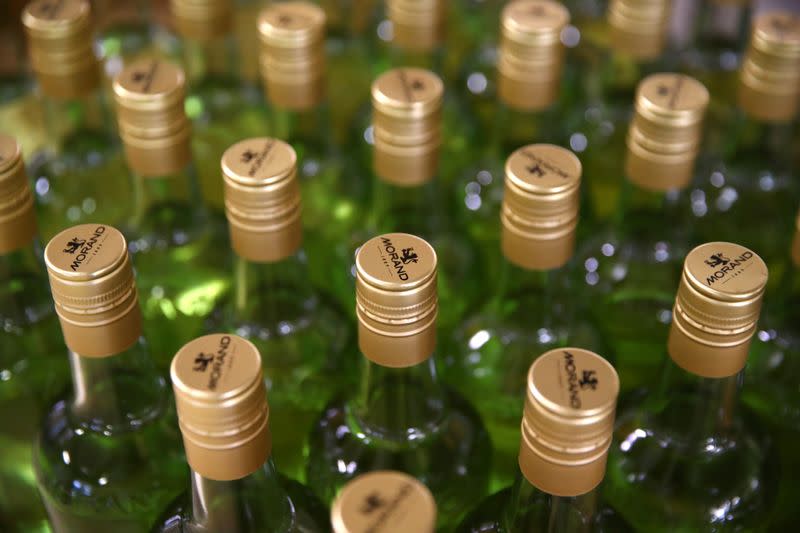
(33,370)
(108,455)
(531,306)
(518,99)
(566,433)
(385,501)
(631,266)
(471,29)
(773,371)
(750,192)
(685,457)
(80,175)
(401,417)
(304,336)
(334,195)
(177,245)
(615,53)
(223,106)
(225,421)
(713,57)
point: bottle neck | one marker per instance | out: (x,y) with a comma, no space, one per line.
(217,57)
(530,292)
(22,261)
(254,503)
(262,291)
(67,122)
(400,404)
(720,26)
(306,130)
(531,509)
(512,128)
(119,392)
(641,208)
(752,139)
(412,209)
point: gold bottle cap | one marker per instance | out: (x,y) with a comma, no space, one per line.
(202,20)
(666,131)
(60,47)
(293,54)
(796,244)
(540,206)
(531,55)
(222,406)
(384,502)
(396,299)
(17,213)
(94,290)
(407,122)
(639,27)
(769,79)
(262,199)
(153,125)
(716,309)
(417,24)
(568,421)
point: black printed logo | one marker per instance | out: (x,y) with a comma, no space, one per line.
(202,361)
(372,503)
(248,156)
(589,380)
(716,260)
(409,256)
(537,170)
(73,245)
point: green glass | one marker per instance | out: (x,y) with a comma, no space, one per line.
(686,458)
(109,456)
(527,313)
(773,372)
(224,107)
(263,502)
(713,57)
(471,26)
(750,193)
(33,371)
(524,508)
(80,177)
(403,419)
(630,270)
(179,253)
(305,340)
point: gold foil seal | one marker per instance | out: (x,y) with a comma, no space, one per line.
(769,78)
(568,421)
(540,206)
(418,25)
(665,134)
(17,213)
(639,27)
(796,244)
(222,406)
(152,122)
(293,54)
(716,309)
(262,199)
(384,501)
(396,299)
(531,55)
(407,122)
(202,20)
(94,290)
(60,47)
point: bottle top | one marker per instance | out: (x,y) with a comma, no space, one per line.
(222,406)
(418,25)
(407,121)
(60,47)
(665,134)
(384,502)
(796,244)
(716,309)
(155,131)
(531,54)
(293,54)
(17,213)
(262,199)
(769,78)
(94,290)
(396,299)
(639,27)
(202,20)
(540,206)
(568,421)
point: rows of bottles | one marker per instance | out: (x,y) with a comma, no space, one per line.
(384,243)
